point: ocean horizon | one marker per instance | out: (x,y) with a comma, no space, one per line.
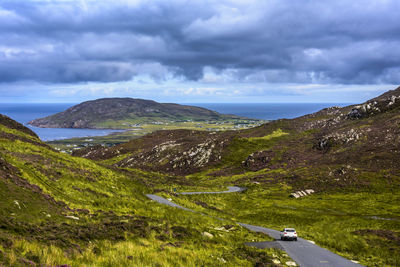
(25,112)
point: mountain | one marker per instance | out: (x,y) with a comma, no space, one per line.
(123,113)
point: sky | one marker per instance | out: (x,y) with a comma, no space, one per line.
(342,51)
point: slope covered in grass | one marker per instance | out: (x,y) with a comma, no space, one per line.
(91,210)
(57,209)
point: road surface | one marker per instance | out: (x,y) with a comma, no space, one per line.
(303,252)
(231,189)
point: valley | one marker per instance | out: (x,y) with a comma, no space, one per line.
(90,208)
(199,133)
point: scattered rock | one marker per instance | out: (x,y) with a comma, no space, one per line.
(302,193)
(276,261)
(207,234)
(355,113)
(291,263)
(294,195)
(392,100)
(324,144)
(222,260)
(229,227)
(72,217)
(178,151)
(17,204)
(367,109)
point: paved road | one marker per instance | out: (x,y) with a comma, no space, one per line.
(231,189)
(166,202)
(303,252)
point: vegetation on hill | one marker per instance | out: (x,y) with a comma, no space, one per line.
(349,156)
(127,113)
(90,208)
(57,209)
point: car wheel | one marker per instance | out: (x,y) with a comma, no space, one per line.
(282,238)
(295,239)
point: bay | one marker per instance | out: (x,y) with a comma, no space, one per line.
(25,112)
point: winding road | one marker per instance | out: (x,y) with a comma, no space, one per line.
(303,251)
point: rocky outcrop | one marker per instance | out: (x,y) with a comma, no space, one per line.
(338,138)
(182,152)
(364,110)
(383,103)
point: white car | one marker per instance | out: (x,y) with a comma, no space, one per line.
(289,234)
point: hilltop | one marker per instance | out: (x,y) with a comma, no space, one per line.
(124,113)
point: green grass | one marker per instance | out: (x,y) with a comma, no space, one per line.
(241,148)
(18,133)
(331,220)
(78,182)
(275,134)
(141,252)
(117,224)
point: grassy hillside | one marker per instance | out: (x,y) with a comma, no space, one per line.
(57,209)
(91,210)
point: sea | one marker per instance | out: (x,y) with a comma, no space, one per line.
(25,112)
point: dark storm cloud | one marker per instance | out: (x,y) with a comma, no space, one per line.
(267,41)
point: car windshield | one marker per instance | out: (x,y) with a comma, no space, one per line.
(290,230)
